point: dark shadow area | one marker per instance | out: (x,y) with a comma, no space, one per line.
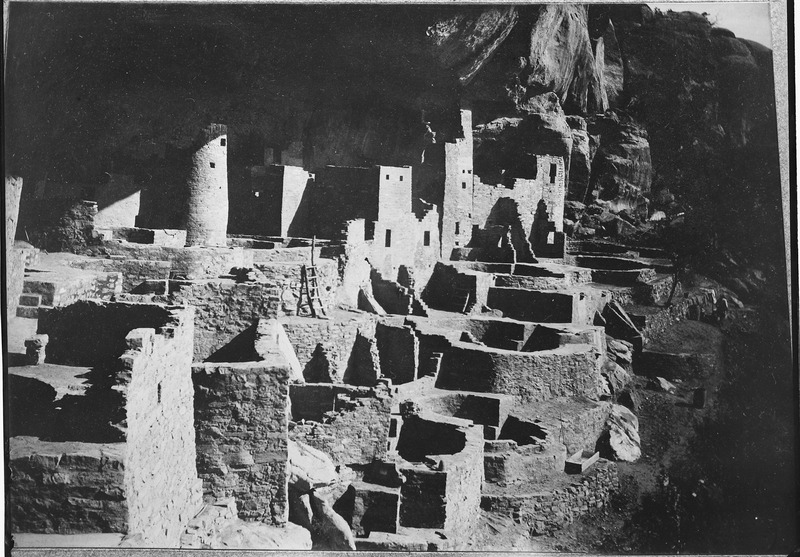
(420,437)
(240,349)
(524,433)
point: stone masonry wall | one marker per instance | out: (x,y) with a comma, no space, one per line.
(337,335)
(357,430)
(91,333)
(15,278)
(225,309)
(241,420)
(161,483)
(66,488)
(191,263)
(549,511)
(569,370)
(60,224)
(287,277)
(133,271)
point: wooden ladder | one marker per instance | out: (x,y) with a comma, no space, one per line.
(309,302)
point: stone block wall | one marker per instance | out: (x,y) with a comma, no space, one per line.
(122,457)
(399,352)
(343,194)
(423,497)
(225,309)
(280,200)
(133,271)
(458,188)
(569,370)
(61,224)
(15,278)
(448,495)
(161,483)
(66,488)
(358,429)
(241,421)
(191,263)
(464,481)
(286,276)
(506,463)
(337,335)
(539,306)
(549,511)
(92,333)
(118,201)
(60,290)
(165,237)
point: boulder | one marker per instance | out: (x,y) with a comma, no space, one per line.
(620,351)
(300,511)
(620,439)
(329,530)
(661,384)
(616,376)
(309,468)
(629,399)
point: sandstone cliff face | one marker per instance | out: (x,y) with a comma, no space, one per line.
(707,101)
(95,87)
(352,84)
(621,167)
(549,50)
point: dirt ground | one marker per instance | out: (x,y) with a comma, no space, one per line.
(720,479)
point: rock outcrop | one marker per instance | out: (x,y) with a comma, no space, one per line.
(620,439)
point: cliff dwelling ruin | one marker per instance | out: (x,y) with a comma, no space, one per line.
(438,299)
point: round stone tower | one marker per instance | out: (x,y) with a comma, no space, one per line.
(207,209)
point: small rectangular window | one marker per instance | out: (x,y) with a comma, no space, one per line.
(426,238)
(553,172)
(222,142)
(387,176)
(388,238)
(469,171)
(458,228)
(463,185)
(401,177)
(213,165)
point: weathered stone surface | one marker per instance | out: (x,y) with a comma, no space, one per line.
(35,349)
(329,530)
(621,439)
(620,351)
(621,169)
(309,468)
(661,384)
(616,376)
(376,508)
(580,165)
(241,420)
(348,423)
(503,147)
(12,196)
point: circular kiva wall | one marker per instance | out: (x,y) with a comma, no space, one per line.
(207,210)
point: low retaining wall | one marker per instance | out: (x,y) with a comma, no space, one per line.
(550,511)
